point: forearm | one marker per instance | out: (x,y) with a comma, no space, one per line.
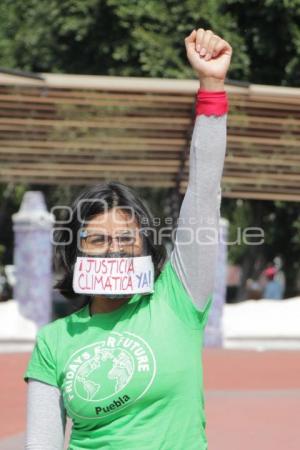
(211,84)
(208,144)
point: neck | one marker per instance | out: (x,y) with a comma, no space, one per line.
(101,304)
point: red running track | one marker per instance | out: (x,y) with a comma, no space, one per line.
(252,400)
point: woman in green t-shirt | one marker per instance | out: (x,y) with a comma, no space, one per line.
(126,366)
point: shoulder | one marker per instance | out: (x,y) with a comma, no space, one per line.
(166,279)
(170,289)
(47,330)
(56,327)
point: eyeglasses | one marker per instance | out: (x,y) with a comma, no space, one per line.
(101,241)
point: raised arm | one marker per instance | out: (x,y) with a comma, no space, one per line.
(194,255)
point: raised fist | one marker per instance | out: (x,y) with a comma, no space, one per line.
(208,54)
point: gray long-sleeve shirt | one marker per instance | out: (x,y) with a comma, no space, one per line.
(193,258)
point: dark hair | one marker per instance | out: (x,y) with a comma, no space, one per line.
(110,195)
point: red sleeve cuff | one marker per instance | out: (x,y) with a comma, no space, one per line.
(211,103)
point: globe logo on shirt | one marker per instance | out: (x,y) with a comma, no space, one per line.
(106,376)
(121,371)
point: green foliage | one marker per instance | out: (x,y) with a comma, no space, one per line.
(239,214)
(145,37)
(10,200)
(114,37)
(272,37)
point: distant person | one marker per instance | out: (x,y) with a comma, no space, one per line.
(279,275)
(273,288)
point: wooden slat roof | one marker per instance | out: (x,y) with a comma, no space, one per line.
(72,129)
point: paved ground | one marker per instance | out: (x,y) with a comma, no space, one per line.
(252,400)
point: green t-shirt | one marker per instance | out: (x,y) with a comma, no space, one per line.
(131,378)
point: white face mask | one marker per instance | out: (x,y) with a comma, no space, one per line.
(113,276)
